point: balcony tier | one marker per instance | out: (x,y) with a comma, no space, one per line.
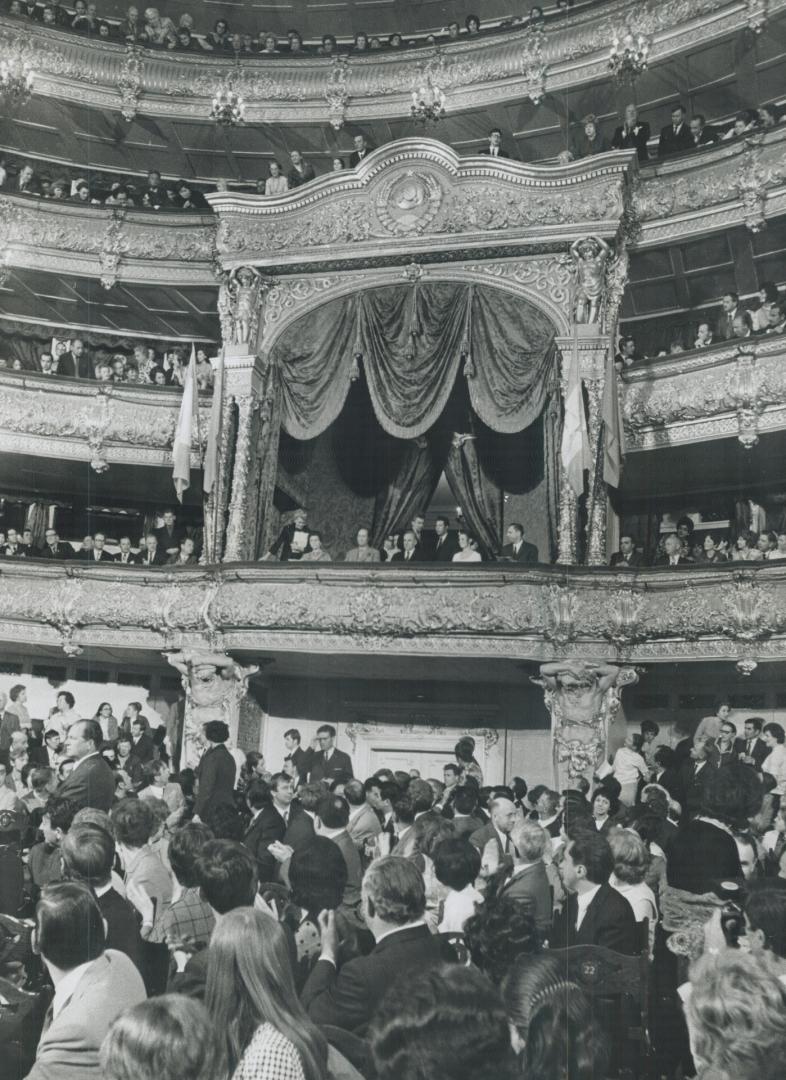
(712,613)
(485,71)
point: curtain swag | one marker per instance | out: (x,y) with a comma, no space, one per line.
(411,339)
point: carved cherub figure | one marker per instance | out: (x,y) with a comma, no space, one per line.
(590,255)
(238,306)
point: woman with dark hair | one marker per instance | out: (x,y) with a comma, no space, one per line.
(605,808)
(501,931)
(472,23)
(108,721)
(447,1023)
(465,758)
(775,762)
(552,1025)
(768,294)
(215,773)
(251,996)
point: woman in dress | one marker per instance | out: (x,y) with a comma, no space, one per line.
(251,996)
(468,548)
(711,552)
(775,764)
(276,183)
(629,767)
(744,548)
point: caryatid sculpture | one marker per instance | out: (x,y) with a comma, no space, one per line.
(583,699)
(590,255)
(239,298)
(214,686)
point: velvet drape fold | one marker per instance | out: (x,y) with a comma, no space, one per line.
(408,492)
(411,340)
(476,493)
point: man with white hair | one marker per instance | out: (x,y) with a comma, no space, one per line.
(493,840)
(528,880)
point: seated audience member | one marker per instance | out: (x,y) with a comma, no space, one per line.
(150,554)
(125,556)
(227,878)
(767,294)
(527,881)
(500,931)
(700,133)
(292,541)
(627,554)
(145,876)
(631,862)
(92,986)
(190,198)
(676,136)
(53,547)
(744,122)
(393,903)
(156,774)
(625,356)
(712,550)
(776,318)
(189,920)
(186,555)
(730,308)
(589,141)
(742,325)
(251,996)
(447,1023)
(276,183)
(467,548)
(457,866)
(703,336)
(316,553)
(300,171)
(364,824)
(736,1015)
(595,913)
(552,1022)
(517,549)
(44,861)
(632,134)
(170,1037)
(363,552)
(361,151)
(672,553)
(90,782)
(88,853)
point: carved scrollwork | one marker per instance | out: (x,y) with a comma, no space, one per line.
(130,83)
(337,91)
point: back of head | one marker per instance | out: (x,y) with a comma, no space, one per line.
(227,875)
(133,822)
(185,846)
(765,908)
(429,831)
(736,1016)
(69,926)
(88,853)
(394,891)
(465,800)
(334,812)
(592,851)
(733,795)
(456,862)
(216,731)
(530,840)
(249,982)
(501,930)
(310,796)
(171,1037)
(553,1018)
(318,876)
(354,793)
(448,1023)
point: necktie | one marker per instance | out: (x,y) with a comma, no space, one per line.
(507,845)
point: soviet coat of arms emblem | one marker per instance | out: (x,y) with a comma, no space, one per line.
(409,202)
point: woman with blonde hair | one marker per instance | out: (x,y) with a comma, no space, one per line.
(166,1038)
(251,997)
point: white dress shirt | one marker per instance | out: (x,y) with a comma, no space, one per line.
(584,900)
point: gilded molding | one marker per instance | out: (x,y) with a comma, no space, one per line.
(538,614)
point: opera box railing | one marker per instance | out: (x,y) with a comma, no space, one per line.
(540,613)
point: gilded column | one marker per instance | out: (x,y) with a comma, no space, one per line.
(216,503)
(241,529)
(568,510)
(598,496)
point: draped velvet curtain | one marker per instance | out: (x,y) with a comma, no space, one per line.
(408,491)
(478,496)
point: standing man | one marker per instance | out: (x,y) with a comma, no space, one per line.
(676,136)
(445,545)
(280,827)
(595,913)
(503,818)
(300,758)
(517,549)
(75,362)
(91,781)
(495,148)
(171,535)
(632,134)
(328,763)
(751,748)
(215,773)
(361,151)
(730,303)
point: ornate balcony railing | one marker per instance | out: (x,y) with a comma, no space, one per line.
(484,71)
(541,614)
(103,423)
(734,389)
(110,244)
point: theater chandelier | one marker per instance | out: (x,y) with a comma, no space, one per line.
(228,108)
(428,103)
(16,80)
(629,55)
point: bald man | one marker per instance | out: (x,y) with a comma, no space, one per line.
(503,817)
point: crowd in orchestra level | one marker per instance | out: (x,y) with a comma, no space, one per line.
(287,919)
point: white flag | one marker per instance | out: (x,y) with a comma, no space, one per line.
(186,426)
(575,442)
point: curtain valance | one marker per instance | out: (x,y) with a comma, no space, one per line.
(411,340)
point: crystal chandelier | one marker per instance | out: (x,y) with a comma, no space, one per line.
(629,53)
(16,79)
(428,103)
(228,108)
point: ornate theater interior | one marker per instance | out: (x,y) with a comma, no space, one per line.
(506,302)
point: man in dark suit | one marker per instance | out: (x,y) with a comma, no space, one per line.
(627,554)
(151,554)
(215,773)
(730,303)
(393,904)
(495,147)
(517,549)
(91,782)
(75,362)
(329,763)
(528,880)
(332,822)
(125,555)
(595,913)
(300,758)
(672,556)
(632,134)
(279,821)
(361,151)
(300,172)
(99,553)
(675,137)
(170,535)
(445,543)
(700,134)
(503,818)
(54,548)
(292,541)
(695,774)
(751,748)
(143,749)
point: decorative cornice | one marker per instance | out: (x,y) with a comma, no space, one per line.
(737,389)
(636,616)
(490,70)
(111,244)
(101,423)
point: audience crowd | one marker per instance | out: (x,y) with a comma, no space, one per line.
(145,365)
(226,921)
(685,546)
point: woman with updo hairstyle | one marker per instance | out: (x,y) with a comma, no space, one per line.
(631,862)
(552,1026)
(171,1037)
(445,1023)
(465,758)
(499,933)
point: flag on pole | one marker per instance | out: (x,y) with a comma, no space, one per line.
(575,441)
(214,431)
(613,443)
(187,422)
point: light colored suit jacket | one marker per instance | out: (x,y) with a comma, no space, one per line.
(364,827)
(69,1046)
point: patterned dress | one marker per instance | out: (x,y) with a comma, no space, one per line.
(269,1056)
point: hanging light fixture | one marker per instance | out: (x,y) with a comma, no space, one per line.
(629,55)
(428,103)
(16,79)
(228,108)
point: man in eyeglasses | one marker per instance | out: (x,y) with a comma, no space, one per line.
(329,763)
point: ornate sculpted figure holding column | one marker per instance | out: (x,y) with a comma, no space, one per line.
(238,306)
(590,255)
(214,686)
(582,699)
